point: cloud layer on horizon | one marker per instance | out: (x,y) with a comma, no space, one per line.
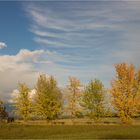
(18,68)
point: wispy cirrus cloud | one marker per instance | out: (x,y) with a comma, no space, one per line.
(90,37)
(77,24)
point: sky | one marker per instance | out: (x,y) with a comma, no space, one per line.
(66,38)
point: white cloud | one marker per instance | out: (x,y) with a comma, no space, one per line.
(26,66)
(21,61)
(2,45)
(15,94)
(18,68)
(32,94)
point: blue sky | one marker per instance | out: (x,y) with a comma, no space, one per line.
(63,38)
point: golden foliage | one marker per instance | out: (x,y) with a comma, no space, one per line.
(23,103)
(73,99)
(125,93)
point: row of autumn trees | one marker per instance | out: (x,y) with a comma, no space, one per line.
(50,102)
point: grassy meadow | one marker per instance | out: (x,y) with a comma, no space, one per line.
(78,129)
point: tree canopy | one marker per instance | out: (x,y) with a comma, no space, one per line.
(48,97)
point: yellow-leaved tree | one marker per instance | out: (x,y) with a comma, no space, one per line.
(94,99)
(48,99)
(3,113)
(74,98)
(22,103)
(126,91)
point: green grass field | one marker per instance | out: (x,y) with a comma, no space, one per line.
(24,131)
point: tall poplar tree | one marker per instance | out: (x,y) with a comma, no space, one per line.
(48,98)
(94,99)
(126,91)
(23,105)
(74,97)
